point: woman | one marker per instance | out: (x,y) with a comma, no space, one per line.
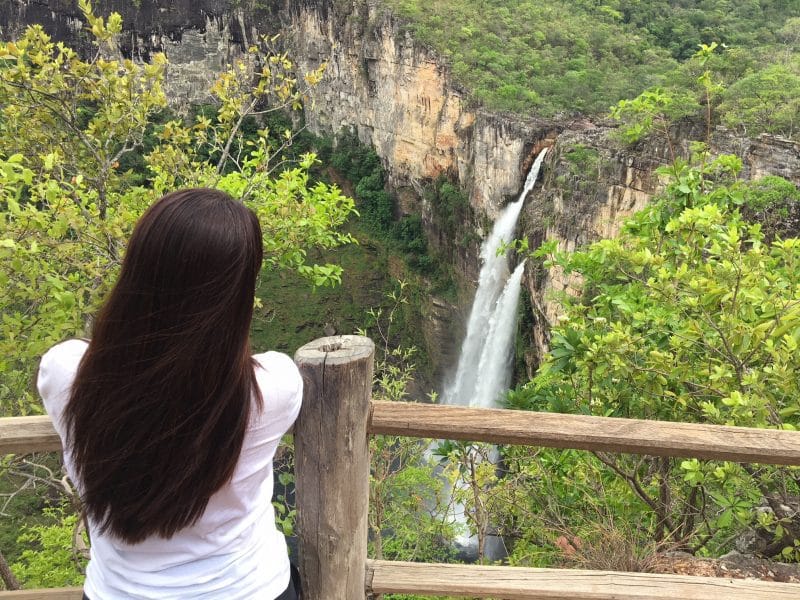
(169,425)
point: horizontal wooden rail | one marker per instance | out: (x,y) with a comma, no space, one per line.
(48,594)
(515,583)
(36,434)
(23,435)
(635,436)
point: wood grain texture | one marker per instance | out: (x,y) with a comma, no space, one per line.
(635,436)
(513,583)
(23,435)
(44,594)
(332,466)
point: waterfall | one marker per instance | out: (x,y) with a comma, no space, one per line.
(483,367)
(497,353)
(495,376)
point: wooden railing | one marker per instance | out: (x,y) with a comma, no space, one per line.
(332,475)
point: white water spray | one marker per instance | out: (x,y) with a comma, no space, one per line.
(497,355)
(483,367)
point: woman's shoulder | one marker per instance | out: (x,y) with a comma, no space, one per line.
(274,360)
(67,349)
(60,364)
(281,388)
(57,371)
(277,375)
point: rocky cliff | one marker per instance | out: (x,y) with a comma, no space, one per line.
(592,183)
(398,96)
(198,37)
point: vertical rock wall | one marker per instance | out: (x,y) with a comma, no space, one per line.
(198,37)
(398,96)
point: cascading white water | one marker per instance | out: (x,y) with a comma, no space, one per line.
(494,372)
(483,366)
(494,378)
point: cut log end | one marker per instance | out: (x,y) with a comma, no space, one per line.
(335,349)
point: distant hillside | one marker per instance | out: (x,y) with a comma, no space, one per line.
(582,56)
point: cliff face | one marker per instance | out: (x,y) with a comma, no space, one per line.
(397,95)
(198,37)
(592,185)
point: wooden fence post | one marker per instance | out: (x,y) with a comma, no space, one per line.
(332,466)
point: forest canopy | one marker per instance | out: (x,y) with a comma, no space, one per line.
(510,55)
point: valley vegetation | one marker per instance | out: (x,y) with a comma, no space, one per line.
(565,59)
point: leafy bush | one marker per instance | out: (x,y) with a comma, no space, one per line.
(50,558)
(688,315)
(764,100)
(362,166)
(584,161)
(774,203)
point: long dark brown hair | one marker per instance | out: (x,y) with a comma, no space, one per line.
(162,397)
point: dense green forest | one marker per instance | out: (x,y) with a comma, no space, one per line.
(562,58)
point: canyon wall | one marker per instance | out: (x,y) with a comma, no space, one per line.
(397,95)
(593,183)
(198,37)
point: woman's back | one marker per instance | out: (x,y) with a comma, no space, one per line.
(169,425)
(234,550)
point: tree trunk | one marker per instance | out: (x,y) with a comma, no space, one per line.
(9,580)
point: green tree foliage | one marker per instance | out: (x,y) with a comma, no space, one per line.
(681,25)
(449,204)
(688,315)
(775,203)
(509,55)
(564,507)
(68,124)
(652,111)
(51,559)
(377,207)
(750,93)
(766,100)
(362,166)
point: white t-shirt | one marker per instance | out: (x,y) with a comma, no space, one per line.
(234,551)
